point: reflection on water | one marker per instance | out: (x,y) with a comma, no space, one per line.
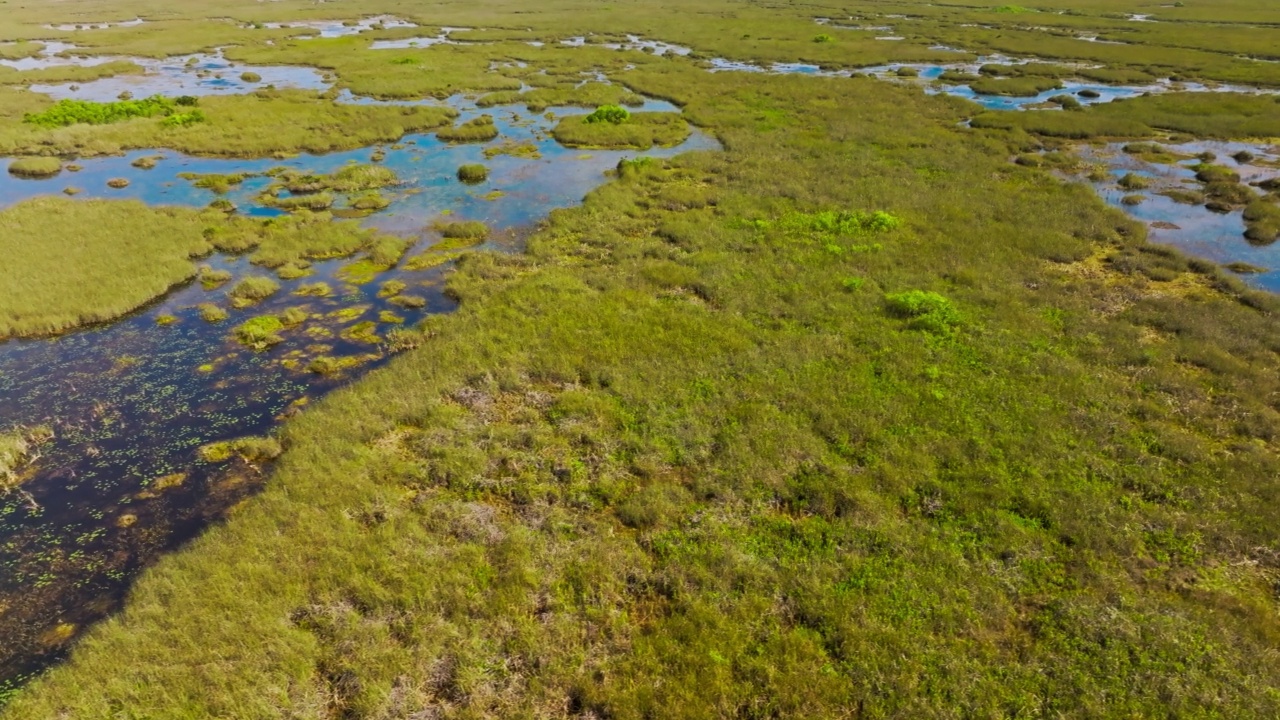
(130,402)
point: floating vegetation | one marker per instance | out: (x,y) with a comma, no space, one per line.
(409,302)
(362,332)
(35,167)
(218,183)
(166,319)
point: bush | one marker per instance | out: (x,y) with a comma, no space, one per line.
(927,311)
(473,173)
(613,114)
(71,112)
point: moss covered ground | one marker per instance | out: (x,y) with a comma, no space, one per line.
(856,418)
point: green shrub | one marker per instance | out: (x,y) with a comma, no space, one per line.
(613,114)
(927,311)
(71,112)
(823,38)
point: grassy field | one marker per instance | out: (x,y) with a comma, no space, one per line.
(856,418)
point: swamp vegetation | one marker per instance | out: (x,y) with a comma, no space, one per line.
(878,411)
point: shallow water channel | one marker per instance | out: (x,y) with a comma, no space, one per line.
(130,402)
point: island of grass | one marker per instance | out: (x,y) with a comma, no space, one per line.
(35,167)
(480,129)
(635,131)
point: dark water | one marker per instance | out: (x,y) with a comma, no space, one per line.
(131,402)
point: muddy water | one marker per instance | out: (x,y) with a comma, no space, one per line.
(131,402)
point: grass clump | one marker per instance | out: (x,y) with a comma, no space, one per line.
(253,289)
(1133,181)
(35,167)
(118,183)
(260,332)
(480,129)
(250,77)
(211,313)
(473,173)
(463,230)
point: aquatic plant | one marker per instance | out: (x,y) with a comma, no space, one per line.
(473,173)
(35,167)
(391,288)
(293,316)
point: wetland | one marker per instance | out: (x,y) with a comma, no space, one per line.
(435,361)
